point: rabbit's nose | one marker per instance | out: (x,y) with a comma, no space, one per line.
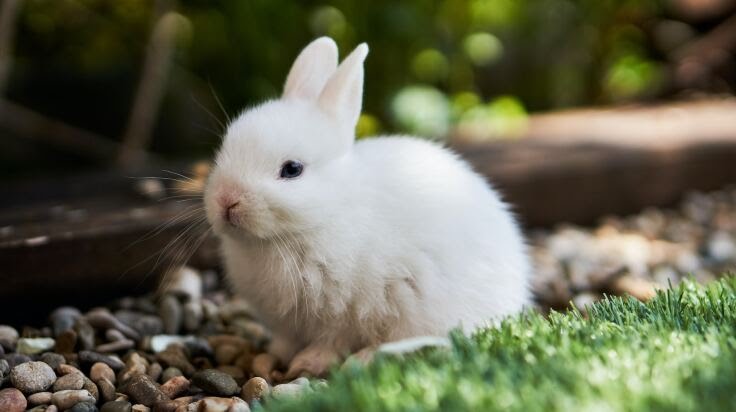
(229,212)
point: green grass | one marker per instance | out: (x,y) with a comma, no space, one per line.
(674,353)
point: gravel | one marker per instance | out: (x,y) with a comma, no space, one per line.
(195,347)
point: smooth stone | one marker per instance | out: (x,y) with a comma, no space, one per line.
(288,390)
(170,311)
(66,399)
(113,335)
(255,389)
(12,400)
(149,325)
(154,370)
(33,346)
(63,319)
(84,407)
(117,406)
(94,357)
(8,337)
(215,382)
(101,318)
(100,371)
(72,381)
(116,346)
(175,356)
(85,334)
(40,398)
(107,389)
(170,373)
(4,371)
(32,377)
(140,408)
(193,314)
(66,369)
(214,404)
(66,341)
(175,386)
(91,387)
(15,359)
(159,343)
(142,389)
(53,359)
(226,353)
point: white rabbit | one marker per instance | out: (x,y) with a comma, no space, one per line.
(343,245)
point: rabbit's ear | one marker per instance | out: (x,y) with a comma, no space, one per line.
(311,69)
(343,95)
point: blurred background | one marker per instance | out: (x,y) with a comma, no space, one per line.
(88,84)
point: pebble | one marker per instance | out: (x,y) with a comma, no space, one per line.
(170,373)
(84,407)
(100,371)
(94,357)
(142,389)
(226,353)
(66,341)
(192,313)
(255,389)
(40,398)
(66,399)
(32,377)
(114,335)
(106,389)
(53,359)
(159,343)
(215,382)
(12,400)
(149,325)
(175,386)
(85,333)
(288,390)
(8,337)
(33,346)
(117,406)
(15,359)
(174,356)
(141,408)
(116,346)
(263,365)
(91,387)
(63,319)
(214,404)
(170,311)
(72,381)
(4,371)
(154,370)
(102,319)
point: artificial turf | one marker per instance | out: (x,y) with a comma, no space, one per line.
(676,352)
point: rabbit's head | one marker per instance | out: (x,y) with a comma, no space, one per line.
(282,163)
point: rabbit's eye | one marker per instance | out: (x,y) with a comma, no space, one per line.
(291,169)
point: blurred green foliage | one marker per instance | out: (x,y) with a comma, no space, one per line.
(435,67)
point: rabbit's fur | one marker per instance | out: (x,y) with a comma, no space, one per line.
(376,240)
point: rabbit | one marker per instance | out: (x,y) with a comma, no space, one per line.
(342,245)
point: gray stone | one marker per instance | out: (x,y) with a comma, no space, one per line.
(142,389)
(170,311)
(32,377)
(63,319)
(53,359)
(94,357)
(67,399)
(117,406)
(215,382)
(8,337)
(84,407)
